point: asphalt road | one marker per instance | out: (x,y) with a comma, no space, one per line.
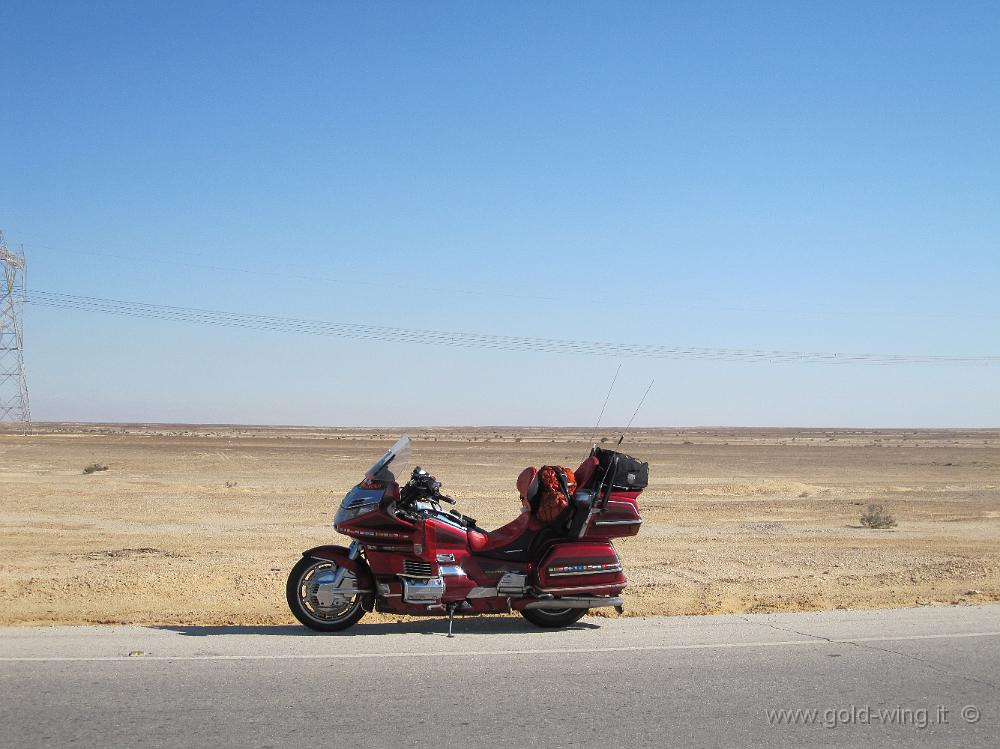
(915,677)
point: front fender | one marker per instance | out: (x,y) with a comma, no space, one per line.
(340,555)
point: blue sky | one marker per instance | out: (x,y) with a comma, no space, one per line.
(780,176)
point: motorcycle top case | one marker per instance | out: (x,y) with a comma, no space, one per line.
(625,474)
(581,567)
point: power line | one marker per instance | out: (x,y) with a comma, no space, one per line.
(356,275)
(476,340)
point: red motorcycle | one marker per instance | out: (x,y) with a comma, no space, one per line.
(410,556)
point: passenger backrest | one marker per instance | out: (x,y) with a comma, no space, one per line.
(585,473)
(582,503)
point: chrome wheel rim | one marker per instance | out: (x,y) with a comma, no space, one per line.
(319,593)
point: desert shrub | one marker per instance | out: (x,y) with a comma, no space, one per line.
(231,484)
(876,516)
(94,468)
(603,440)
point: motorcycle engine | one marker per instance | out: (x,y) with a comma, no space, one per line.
(422,590)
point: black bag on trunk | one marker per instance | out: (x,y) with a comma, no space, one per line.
(630,475)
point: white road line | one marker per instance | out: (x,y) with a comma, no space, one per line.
(460,653)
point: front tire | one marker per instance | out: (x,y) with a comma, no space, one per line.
(314,600)
(553,618)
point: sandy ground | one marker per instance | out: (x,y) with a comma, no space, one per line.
(199,525)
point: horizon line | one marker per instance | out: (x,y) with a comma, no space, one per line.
(403,427)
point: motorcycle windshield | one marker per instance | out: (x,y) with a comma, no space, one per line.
(395,458)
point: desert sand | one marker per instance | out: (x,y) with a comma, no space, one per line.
(200,525)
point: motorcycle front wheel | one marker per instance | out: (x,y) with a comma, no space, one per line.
(552,618)
(319,600)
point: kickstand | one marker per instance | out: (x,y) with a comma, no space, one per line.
(451,617)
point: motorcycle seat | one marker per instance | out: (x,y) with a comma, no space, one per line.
(482,541)
(516,540)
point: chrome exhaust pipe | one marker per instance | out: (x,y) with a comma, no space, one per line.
(574,603)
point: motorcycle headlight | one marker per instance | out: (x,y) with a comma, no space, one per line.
(354,510)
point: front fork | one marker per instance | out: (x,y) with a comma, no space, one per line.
(352,553)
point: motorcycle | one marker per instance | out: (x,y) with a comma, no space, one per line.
(408,555)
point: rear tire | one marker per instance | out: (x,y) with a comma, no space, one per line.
(553,618)
(341,615)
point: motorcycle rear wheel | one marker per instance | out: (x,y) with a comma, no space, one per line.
(303,597)
(553,618)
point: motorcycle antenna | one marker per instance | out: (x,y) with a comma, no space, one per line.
(627,426)
(606,399)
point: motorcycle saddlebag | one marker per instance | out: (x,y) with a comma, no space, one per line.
(627,474)
(575,567)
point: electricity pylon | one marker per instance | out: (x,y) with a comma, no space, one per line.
(13,385)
